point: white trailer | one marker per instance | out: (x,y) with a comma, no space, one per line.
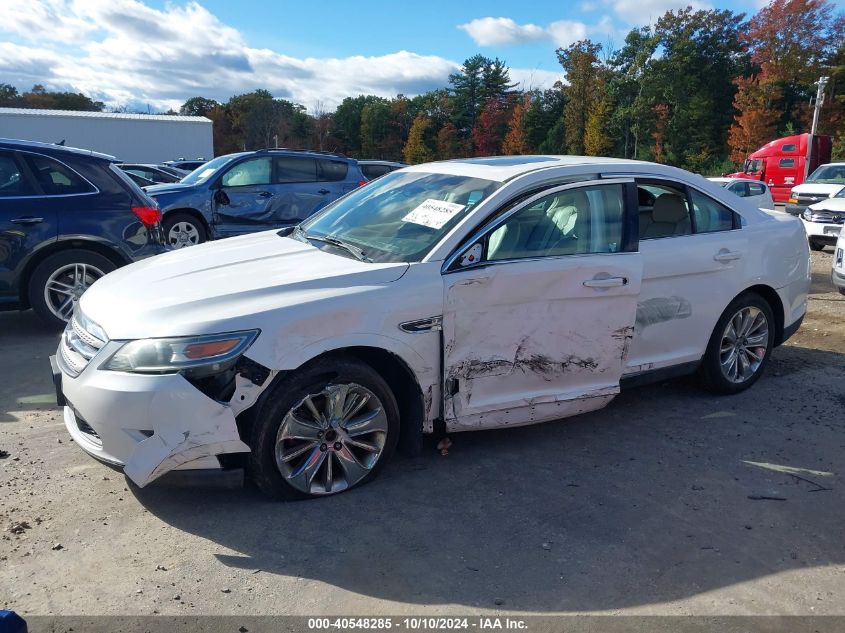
(132,138)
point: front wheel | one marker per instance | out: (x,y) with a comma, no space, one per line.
(740,345)
(183,229)
(326,430)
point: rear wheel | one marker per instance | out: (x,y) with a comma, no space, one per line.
(58,282)
(183,229)
(740,345)
(326,430)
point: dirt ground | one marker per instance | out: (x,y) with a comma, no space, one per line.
(669,501)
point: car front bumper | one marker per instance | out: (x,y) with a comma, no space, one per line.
(822,231)
(147,425)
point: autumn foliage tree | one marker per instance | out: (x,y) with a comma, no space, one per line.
(416,149)
(492,126)
(756,121)
(515,140)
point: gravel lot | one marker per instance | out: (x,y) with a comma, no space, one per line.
(670,501)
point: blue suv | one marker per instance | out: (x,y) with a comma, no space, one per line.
(67,217)
(252,191)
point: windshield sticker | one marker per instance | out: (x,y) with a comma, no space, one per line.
(433,213)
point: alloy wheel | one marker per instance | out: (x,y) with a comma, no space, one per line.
(331,440)
(183,234)
(744,344)
(66,285)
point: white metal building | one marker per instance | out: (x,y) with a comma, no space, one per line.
(135,138)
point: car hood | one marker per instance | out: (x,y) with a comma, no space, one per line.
(810,188)
(173,187)
(218,286)
(831,204)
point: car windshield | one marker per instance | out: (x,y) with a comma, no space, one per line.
(753,165)
(400,216)
(206,171)
(829,174)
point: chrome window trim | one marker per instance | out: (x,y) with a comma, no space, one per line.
(492,225)
(53,195)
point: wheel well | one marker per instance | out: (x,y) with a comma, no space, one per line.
(65,245)
(193,213)
(773,299)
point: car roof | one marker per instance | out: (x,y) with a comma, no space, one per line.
(504,168)
(19,144)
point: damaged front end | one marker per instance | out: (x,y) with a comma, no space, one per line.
(152,406)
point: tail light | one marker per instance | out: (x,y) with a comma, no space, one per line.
(149,216)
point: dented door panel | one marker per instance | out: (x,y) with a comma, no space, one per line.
(527,341)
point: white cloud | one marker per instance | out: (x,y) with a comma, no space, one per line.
(125,52)
(566,32)
(502,32)
(641,11)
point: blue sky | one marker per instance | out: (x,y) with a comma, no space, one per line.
(156,54)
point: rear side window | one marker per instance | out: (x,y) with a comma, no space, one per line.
(710,216)
(663,211)
(740,189)
(12,181)
(332,170)
(756,189)
(374,171)
(787,162)
(295,169)
(55,179)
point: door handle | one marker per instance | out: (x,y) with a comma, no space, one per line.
(606,282)
(27,220)
(323,191)
(265,194)
(725,256)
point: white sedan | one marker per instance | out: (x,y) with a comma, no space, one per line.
(443,297)
(754,191)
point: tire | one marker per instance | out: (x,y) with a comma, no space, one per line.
(282,459)
(816,246)
(720,378)
(183,229)
(57,283)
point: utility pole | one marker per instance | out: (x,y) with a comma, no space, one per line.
(821,83)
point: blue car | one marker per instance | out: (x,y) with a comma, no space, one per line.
(252,191)
(67,217)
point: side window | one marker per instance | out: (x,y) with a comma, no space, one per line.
(255,171)
(374,171)
(756,189)
(740,189)
(787,162)
(295,169)
(710,215)
(332,170)
(789,147)
(55,179)
(569,222)
(663,211)
(12,181)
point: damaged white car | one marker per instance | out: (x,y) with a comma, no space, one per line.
(443,297)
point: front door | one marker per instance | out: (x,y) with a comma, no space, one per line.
(539,310)
(243,202)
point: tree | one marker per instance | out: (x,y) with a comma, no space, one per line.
(479,80)
(544,111)
(596,140)
(198,106)
(756,123)
(515,140)
(416,150)
(9,97)
(375,127)
(790,41)
(580,62)
(448,142)
(491,128)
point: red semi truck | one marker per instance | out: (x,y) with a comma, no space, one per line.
(786,162)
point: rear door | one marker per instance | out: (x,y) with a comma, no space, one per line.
(539,309)
(300,188)
(26,222)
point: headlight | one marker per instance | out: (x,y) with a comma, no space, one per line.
(807,214)
(199,355)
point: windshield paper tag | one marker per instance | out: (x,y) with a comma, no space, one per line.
(433,213)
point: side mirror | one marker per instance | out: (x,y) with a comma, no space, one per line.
(220,197)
